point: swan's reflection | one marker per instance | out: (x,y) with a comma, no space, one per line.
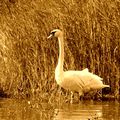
(87,111)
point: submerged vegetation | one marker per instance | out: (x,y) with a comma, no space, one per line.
(28,59)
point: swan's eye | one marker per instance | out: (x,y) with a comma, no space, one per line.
(53,33)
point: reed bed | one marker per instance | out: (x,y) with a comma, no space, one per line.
(28,59)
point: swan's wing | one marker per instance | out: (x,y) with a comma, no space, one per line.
(82,80)
(85,70)
(91,74)
(74,82)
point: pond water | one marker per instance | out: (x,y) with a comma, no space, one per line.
(86,110)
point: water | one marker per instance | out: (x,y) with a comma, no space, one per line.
(89,111)
(23,110)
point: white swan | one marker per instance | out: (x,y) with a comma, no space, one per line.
(79,81)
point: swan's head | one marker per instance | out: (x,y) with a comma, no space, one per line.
(55,33)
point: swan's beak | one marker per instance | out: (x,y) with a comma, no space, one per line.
(49,36)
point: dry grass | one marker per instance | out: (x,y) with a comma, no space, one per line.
(28,59)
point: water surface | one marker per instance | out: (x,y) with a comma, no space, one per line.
(89,111)
(11,109)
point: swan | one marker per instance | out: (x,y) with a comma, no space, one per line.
(75,81)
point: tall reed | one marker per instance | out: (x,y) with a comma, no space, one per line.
(27,59)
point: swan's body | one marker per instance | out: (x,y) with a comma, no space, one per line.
(79,81)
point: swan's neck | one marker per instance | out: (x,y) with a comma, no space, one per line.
(59,68)
(61,53)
